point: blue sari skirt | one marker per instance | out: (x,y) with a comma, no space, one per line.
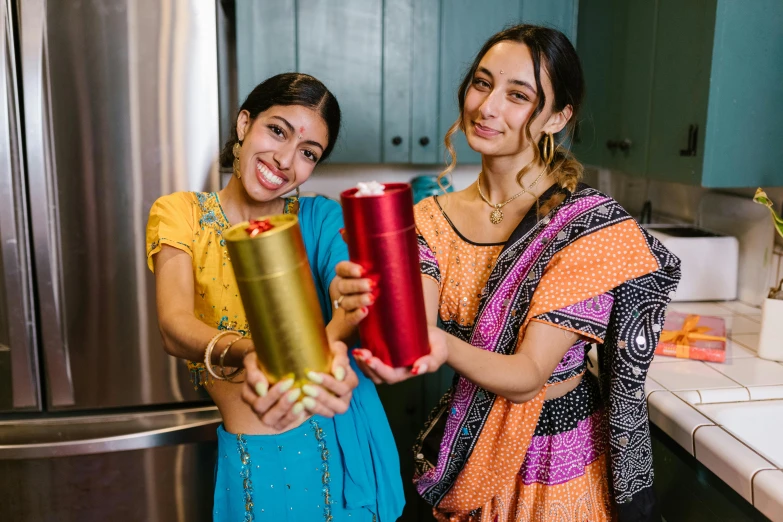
(293,476)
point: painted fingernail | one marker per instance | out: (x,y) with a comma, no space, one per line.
(372,299)
(308,403)
(298,408)
(365,310)
(310,390)
(293,395)
(316,378)
(419,369)
(286,385)
(339,373)
(261,389)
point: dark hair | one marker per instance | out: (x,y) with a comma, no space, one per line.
(289,89)
(554,50)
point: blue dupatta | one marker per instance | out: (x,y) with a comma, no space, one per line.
(372,467)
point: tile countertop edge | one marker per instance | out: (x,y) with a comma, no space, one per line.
(730,459)
(675,417)
(767,498)
(733,461)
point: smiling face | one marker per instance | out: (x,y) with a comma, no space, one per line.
(280,149)
(501,99)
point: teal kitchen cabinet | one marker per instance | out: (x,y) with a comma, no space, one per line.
(628,146)
(684,91)
(616,46)
(409,132)
(378,58)
(465,26)
(598,44)
(683,57)
(340,42)
(716,103)
(394,65)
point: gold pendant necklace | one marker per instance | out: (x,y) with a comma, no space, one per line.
(496,216)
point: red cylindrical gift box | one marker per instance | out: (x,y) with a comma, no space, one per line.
(381,237)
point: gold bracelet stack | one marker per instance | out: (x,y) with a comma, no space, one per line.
(208,356)
(230,377)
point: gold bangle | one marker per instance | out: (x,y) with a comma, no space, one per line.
(208,352)
(236,372)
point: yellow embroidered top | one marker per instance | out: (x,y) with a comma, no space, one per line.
(194,222)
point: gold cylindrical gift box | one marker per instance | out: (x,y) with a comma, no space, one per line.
(280,299)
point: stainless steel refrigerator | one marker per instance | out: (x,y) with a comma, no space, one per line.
(106,105)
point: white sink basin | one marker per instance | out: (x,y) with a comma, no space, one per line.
(759,424)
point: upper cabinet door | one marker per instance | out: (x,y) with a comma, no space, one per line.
(340,42)
(425,135)
(397,56)
(395,66)
(683,57)
(633,78)
(265,42)
(597,46)
(744,130)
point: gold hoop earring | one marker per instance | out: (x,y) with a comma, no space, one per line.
(236,150)
(549,148)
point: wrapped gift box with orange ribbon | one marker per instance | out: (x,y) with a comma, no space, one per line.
(700,337)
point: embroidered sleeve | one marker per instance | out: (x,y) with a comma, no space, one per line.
(427,262)
(588,318)
(170,223)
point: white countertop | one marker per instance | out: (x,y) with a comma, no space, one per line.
(728,415)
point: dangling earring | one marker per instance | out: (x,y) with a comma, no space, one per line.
(549,148)
(236,150)
(297,193)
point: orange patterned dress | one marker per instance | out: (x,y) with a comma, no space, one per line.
(539,460)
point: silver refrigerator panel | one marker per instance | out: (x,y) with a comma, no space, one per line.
(161,484)
(120,107)
(152,467)
(19,384)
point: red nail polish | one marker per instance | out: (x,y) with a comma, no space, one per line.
(365,310)
(372,299)
(415,370)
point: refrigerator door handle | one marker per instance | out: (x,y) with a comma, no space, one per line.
(23,366)
(43,211)
(74,436)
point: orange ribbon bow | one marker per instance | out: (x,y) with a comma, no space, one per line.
(689,332)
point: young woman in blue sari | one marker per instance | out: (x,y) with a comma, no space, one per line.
(321,453)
